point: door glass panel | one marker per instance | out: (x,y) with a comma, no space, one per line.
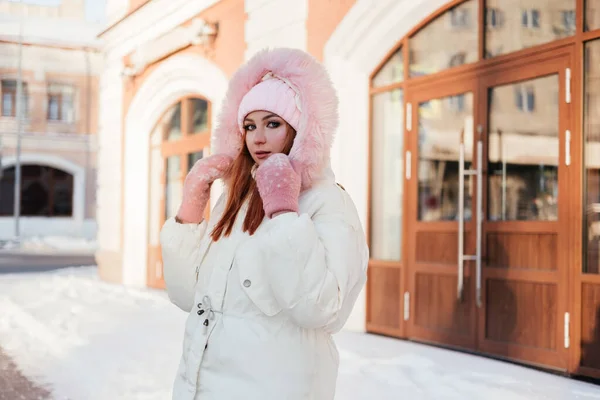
(457,29)
(391,72)
(443,124)
(592,15)
(199,113)
(523,151)
(173,186)
(592,157)
(387,170)
(513,25)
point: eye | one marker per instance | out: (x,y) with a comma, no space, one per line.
(273,124)
(249,127)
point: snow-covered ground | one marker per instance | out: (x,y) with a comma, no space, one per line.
(50,244)
(90,340)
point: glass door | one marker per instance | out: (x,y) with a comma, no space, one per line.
(524,279)
(440,176)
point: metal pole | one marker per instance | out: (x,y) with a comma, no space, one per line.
(19,115)
(88,129)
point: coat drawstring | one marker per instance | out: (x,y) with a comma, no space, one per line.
(205,307)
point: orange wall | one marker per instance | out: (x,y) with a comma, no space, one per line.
(323,17)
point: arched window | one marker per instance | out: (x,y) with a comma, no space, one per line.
(45,192)
(181,137)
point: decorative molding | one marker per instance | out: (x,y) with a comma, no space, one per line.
(198,32)
(148,23)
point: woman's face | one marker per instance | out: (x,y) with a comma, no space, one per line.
(266,134)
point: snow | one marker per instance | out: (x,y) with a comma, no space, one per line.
(89,339)
(51,244)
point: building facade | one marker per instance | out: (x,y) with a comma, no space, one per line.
(60,63)
(468,140)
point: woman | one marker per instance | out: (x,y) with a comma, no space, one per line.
(279,265)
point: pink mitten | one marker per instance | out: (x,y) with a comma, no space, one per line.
(196,187)
(278,184)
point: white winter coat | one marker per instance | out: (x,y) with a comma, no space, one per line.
(277,297)
(270,301)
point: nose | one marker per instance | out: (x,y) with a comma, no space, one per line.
(259,136)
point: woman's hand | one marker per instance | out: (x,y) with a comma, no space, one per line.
(278,184)
(196,187)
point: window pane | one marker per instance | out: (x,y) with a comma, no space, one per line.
(592,157)
(68,109)
(391,72)
(457,29)
(155,218)
(173,186)
(526,24)
(7,191)
(63,193)
(7,104)
(53,108)
(387,171)
(199,114)
(193,157)
(442,127)
(592,15)
(523,151)
(172,121)
(35,191)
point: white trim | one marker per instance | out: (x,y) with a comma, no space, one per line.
(360,42)
(50,160)
(176,77)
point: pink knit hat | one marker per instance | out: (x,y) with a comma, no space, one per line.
(273,94)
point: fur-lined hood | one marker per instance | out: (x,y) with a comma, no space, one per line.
(318,101)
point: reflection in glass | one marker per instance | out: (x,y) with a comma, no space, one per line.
(592,15)
(172,120)
(457,29)
(523,152)
(193,157)
(512,25)
(199,113)
(442,129)
(391,72)
(173,186)
(387,170)
(592,157)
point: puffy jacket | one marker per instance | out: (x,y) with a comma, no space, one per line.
(262,308)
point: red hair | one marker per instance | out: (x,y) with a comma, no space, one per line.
(242,186)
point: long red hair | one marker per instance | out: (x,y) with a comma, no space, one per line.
(242,186)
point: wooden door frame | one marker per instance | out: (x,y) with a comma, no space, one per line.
(537,65)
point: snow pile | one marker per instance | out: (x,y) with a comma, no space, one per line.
(91,340)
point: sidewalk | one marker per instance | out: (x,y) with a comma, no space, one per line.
(13,385)
(90,340)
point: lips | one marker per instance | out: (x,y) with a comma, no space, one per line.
(262,154)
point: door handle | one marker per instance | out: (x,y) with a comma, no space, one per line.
(462,257)
(479,219)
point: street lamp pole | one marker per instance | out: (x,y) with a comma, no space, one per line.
(19,114)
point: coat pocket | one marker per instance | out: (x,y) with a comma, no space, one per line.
(255,284)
